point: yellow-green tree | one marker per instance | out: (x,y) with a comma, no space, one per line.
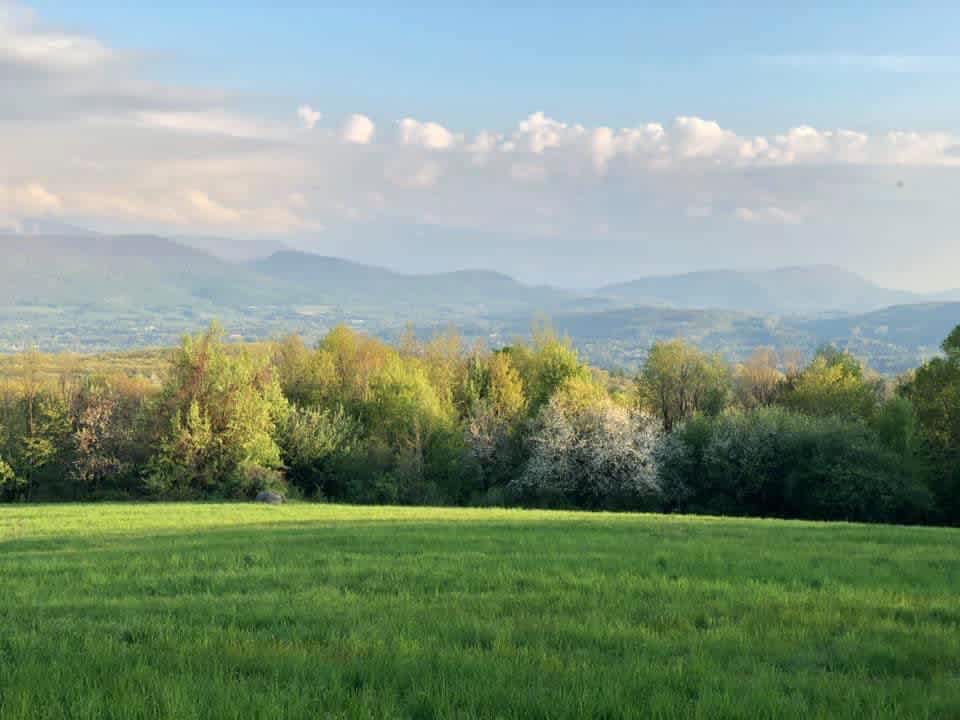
(678,380)
(216,420)
(834,384)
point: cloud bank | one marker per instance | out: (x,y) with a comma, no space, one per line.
(87,135)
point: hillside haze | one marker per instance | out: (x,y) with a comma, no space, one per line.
(802,289)
(79,290)
(121,272)
(85,268)
(342,281)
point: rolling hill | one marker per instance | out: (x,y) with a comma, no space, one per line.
(148,271)
(329,279)
(87,291)
(791,290)
(122,272)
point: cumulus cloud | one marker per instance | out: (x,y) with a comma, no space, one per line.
(538,133)
(425,134)
(358,129)
(699,138)
(308,116)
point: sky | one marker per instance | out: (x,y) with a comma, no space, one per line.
(571,145)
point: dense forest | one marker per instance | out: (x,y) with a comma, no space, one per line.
(356,420)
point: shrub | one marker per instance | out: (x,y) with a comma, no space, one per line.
(314,444)
(777,463)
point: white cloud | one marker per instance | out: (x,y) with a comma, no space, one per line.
(308,116)
(211,122)
(210,210)
(358,129)
(539,132)
(28,199)
(22,41)
(698,138)
(203,209)
(426,134)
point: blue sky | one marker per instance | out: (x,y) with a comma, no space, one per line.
(744,65)
(571,145)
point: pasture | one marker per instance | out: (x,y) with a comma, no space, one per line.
(319,611)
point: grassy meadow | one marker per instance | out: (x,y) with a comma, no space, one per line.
(316,611)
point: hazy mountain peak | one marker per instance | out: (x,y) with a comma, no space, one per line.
(792,289)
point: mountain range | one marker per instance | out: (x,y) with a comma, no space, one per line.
(153,271)
(152,281)
(789,290)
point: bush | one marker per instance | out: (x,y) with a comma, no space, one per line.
(777,463)
(248,480)
(11,487)
(314,444)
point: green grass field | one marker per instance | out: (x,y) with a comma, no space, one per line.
(314,611)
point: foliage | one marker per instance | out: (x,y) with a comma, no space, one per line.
(678,381)
(545,365)
(757,382)
(494,408)
(10,485)
(774,462)
(587,451)
(216,418)
(315,442)
(431,421)
(834,384)
(934,392)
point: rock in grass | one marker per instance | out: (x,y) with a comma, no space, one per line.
(269,497)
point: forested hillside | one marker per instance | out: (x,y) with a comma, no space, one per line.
(891,340)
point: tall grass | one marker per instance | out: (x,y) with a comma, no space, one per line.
(311,611)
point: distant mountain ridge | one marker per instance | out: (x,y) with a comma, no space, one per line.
(788,290)
(145,270)
(61,290)
(348,281)
(151,271)
(118,271)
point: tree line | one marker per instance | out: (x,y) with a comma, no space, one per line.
(354,419)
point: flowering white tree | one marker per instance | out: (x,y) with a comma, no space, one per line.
(593,454)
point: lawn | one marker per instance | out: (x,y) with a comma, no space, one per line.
(317,611)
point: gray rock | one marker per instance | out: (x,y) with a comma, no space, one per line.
(269,497)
